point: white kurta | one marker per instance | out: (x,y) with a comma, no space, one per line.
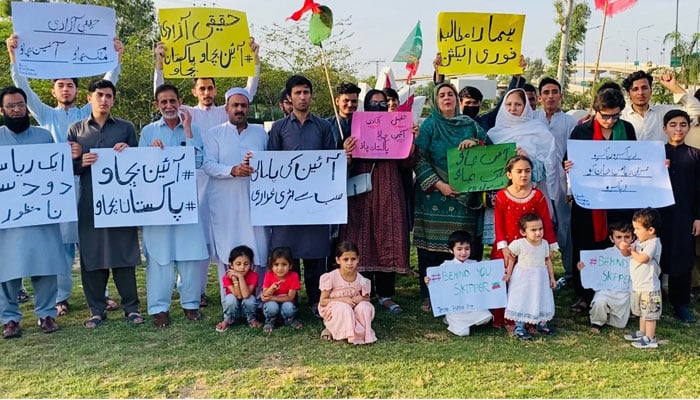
(650,126)
(229,197)
(30,250)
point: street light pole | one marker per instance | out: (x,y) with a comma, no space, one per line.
(636,50)
(584,49)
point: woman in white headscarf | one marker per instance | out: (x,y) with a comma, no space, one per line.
(515,124)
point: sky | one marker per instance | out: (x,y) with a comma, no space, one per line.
(381,26)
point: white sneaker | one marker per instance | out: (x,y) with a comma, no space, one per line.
(646,343)
(634,336)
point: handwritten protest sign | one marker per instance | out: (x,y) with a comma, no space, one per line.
(605,270)
(212,42)
(298,188)
(471,286)
(382,134)
(480,43)
(59,40)
(36,185)
(479,168)
(611,174)
(144,186)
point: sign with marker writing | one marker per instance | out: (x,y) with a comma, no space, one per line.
(144,186)
(613,174)
(58,39)
(605,270)
(386,135)
(471,286)
(212,42)
(479,168)
(480,43)
(36,185)
(298,188)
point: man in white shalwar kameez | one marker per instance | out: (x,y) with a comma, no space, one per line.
(30,251)
(205,115)
(173,246)
(228,149)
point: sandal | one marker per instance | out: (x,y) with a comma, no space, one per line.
(111,305)
(326,334)
(579,306)
(294,323)
(522,335)
(135,318)
(203,300)
(222,326)
(22,296)
(427,306)
(390,305)
(62,308)
(545,330)
(93,322)
(268,327)
(254,323)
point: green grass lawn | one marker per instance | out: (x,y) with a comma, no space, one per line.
(414,357)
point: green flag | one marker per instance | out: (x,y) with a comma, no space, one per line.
(320,25)
(411,51)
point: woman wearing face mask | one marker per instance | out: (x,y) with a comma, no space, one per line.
(440,209)
(377,220)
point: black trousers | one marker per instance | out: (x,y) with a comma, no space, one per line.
(383,283)
(679,289)
(95,283)
(313,269)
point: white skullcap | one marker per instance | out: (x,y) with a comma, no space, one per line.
(237,90)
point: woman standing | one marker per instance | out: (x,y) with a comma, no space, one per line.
(377,220)
(440,209)
(592,225)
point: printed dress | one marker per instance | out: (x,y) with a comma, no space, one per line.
(341,320)
(530,297)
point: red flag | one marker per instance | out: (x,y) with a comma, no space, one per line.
(309,5)
(613,6)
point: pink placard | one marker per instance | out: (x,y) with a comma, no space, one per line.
(382,134)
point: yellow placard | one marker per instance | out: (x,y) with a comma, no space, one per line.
(480,43)
(205,42)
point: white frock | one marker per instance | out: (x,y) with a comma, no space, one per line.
(530,298)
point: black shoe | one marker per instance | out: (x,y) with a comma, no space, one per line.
(684,314)
(22,296)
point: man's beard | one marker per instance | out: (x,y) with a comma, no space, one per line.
(17,125)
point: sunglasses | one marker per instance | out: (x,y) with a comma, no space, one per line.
(377,103)
(606,117)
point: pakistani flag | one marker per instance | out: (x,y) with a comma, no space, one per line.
(410,51)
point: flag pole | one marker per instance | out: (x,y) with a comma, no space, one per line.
(330,90)
(600,47)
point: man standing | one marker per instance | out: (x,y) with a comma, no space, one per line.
(57,120)
(646,118)
(346,99)
(284,103)
(170,246)
(302,130)
(102,249)
(205,115)
(228,149)
(560,125)
(32,250)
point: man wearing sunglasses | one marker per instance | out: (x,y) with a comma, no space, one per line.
(647,118)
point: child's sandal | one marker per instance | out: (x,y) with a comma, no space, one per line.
(223,326)
(254,323)
(268,327)
(295,323)
(326,335)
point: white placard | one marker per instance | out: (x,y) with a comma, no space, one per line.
(59,40)
(458,287)
(144,186)
(605,270)
(613,174)
(298,188)
(36,185)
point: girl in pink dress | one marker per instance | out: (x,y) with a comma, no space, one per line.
(345,307)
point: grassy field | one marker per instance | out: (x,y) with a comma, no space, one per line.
(414,357)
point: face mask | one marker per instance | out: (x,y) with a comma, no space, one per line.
(17,125)
(470,111)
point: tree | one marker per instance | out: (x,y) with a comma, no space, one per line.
(534,70)
(575,38)
(289,51)
(687,51)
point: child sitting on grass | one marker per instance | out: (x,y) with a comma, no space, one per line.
(239,282)
(645,271)
(280,288)
(459,323)
(611,307)
(345,307)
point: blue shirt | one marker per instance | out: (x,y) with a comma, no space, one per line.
(173,137)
